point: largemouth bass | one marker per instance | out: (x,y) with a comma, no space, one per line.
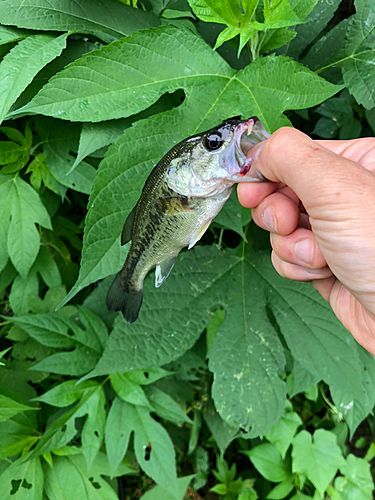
(182,195)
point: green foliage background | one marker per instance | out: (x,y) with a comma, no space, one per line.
(227,357)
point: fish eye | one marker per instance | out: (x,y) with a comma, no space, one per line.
(213,141)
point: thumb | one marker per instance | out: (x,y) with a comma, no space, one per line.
(317,175)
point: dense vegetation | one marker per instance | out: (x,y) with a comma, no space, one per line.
(234,382)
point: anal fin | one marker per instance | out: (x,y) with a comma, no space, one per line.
(163,270)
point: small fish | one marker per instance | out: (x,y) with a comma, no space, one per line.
(182,195)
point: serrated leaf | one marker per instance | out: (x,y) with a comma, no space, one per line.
(239,17)
(21,209)
(317,457)
(246,355)
(265,88)
(70,478)
(10,35)
(23,62)
(284,13)
(106,19)
(313,25)
(268,461)
(220,430)
(9,407)
(117,76)
(22,480)
(350,47)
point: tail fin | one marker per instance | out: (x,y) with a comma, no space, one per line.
(126,299)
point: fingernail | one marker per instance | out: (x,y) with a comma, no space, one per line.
(269,219)
(303,250)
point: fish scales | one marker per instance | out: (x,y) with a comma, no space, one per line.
(181,196)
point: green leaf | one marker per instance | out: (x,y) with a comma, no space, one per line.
(106,19)
(93,428)
(281,490)
(239,17)
(265,88)
(117,76)
(317,457)
(313,25)
(220,430)
(85,333)
(275,39)
(268,462)
(117,433)
(22,480)
(165,406)
(159,493)
(282,433)
(358,66)
(66,393)
(97,135)
(152,446)
(70,478)
(284,13)
(23,62)
(9,407)
(350,46)
(129,391)
(11,35)
(21,209)
(357,482)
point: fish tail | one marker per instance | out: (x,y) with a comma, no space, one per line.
(124,297)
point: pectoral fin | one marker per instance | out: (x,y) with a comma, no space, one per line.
(173,205)
(163,270)
(126,234)
(199,233)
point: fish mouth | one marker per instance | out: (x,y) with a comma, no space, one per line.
(247,134)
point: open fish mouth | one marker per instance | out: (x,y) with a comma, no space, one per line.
(247,134)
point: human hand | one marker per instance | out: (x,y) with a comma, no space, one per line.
(320,210)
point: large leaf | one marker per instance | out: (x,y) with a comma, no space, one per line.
(350,47)
(213,92)
(124,77)
(246,354)
(106,19)
(21,208)
(22,63)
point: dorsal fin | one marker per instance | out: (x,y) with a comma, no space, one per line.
(126,234)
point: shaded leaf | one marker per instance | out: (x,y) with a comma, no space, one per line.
(9,407)
(23,62)
(106,19)
(21,209)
